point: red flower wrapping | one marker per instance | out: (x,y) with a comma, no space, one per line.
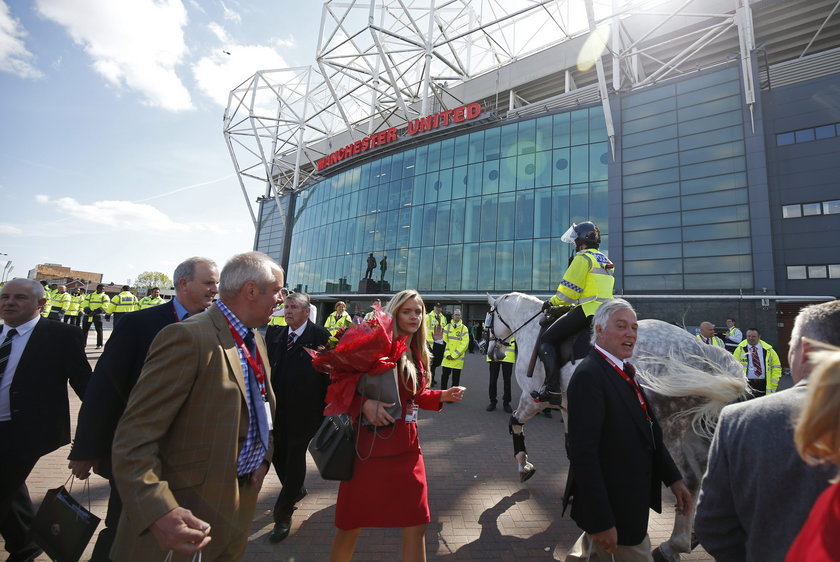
(367,348)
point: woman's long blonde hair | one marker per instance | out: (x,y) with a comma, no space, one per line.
(818,428)
(416,343)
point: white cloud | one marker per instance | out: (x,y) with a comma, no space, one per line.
(15,58)
(10,230)
(218,73)
(124,215)
(231,15)
(135,44)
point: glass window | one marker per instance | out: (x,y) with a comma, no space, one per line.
(668,205)
(791,211)
(560,167)
(560,205)
(722,280)
(412,271)
(476,150)
(834,271)
(459,182)
(542,163)
(507,216)
(709,108)
(715,168)
(409,163)
(492,138)
(509,137)
(525,171)
(433,159)
(544,133)
(580,127)
(811,209)
(405,194)
(721,214)
(644,237)
(599,159)
(714,183)
(487,264)
(456,225)
(420,160)
(784,139)
(472,219)
(526,137)
(651,178)
(418,195)
(507,170)
(504,266)
(454,268)
(427,268)
(469,269)
(439,263)
(709,138)
(384,170)
(403,228)
(804,135)
(651,251)
(461,150)
(561,123)
(824,132)
(652,136)
(447,153)
(523,264)
(646,222)
(542,214)
(445,188)
(729,247)
(831,207)
(541,265)
(443,221)
(396,167)
(651,193)
(714,199)
(474,179)
(657,121)
(489,216)
(717,231)
(524,216)
(796,272)
(711,123)
(416,230)
(648,267)
(579,164)
(491,177)
(817,272)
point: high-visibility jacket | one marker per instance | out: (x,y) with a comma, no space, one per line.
(432,321)
(510,353)
(98,303)
(60,302)
(278,320)
(149,302)
(715,341)
(336,322)
(456,336)
(124,302)
(588,282)
(772,367)
(48,294)
(75,305)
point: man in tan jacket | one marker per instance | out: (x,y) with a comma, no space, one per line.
(194,444)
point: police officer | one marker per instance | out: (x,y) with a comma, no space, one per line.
(587,283)
(72,316)
(338,319)
(59,303)
(506,366)
(456,336)
(94,306)
(760,362)
(124,303)
(152,299)
(435,324)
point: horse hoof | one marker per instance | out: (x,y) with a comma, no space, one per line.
(657,555)
(527,473)
(661,555)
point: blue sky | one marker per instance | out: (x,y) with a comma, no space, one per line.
(112,157)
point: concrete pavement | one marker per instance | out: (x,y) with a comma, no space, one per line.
(480,510)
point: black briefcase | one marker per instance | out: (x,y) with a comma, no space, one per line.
(333,448)
(63,527)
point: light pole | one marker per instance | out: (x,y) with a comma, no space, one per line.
(7,270)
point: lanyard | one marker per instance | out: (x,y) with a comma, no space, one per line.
(256,365)
(632,382)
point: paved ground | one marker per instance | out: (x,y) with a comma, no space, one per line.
(480,510)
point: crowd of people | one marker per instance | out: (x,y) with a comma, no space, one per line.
(200,360)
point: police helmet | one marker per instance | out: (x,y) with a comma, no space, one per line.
(583,233)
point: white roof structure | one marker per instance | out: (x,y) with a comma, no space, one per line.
(382,63)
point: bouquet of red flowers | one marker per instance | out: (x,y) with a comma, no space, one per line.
(368,348)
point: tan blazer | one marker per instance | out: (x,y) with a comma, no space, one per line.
(180,436)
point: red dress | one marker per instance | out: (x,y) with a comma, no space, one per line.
(388,489)
(819,539)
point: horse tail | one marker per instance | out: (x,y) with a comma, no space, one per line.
(689,375)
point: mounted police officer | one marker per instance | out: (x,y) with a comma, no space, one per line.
(587,283)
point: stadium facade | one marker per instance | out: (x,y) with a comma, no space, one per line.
(701,136)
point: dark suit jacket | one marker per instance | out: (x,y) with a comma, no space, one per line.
(40,420)
(115,375)
(618,459)
(300,390)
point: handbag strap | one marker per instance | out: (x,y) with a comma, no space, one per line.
(196,557)
(72,479)
(375,430)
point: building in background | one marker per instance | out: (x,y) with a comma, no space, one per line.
(701,136)
(61,275)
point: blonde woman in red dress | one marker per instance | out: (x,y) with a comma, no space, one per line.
(388,488)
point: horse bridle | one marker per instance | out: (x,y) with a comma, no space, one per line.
(492,334)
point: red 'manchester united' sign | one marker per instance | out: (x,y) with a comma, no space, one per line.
(421,125)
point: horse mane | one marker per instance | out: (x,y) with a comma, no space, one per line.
(685,374)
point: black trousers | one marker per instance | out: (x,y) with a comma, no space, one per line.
(507,372)
(16,509)
(437,351)
(96,320)
(105,539)
(456,377)
(289,462)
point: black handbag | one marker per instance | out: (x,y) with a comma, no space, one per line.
(333,448)
(62,526)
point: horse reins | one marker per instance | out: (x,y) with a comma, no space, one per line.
(506,341)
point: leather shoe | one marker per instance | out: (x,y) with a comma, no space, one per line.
(507,408)
(491,407)
(282,526)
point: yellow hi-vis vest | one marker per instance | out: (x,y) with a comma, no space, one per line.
(124,302)
(48,305)
(75,305)
(510,353)
(278,320)
(336,321)
(588,282)
(456,336)
(149,302)
(97,301)
(772,365)
(715,341)
(432,322)
(59,302)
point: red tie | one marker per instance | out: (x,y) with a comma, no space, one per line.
(756,362)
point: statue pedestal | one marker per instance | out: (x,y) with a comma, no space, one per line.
(368,287)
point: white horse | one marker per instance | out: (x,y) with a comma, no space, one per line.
(687,383)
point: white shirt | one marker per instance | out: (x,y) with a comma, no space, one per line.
(616,361)
(750,368)
(24,331)
(297,332)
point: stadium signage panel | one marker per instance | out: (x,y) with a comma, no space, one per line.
(414,127)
